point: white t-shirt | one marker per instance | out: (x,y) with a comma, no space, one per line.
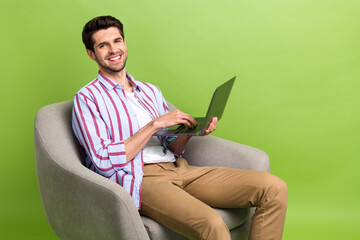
(154,151)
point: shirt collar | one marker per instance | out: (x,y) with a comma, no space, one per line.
(110,84)
(133,82)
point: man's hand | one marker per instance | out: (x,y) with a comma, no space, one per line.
(211,126)
(178,145)
(174,118)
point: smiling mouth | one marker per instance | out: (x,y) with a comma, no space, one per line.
(115,58)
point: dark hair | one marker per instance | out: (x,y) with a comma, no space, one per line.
(96,24)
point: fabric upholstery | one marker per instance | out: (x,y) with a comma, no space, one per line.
(81,204)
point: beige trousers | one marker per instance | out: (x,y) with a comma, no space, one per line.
(179,196)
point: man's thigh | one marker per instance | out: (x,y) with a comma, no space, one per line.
(229,188)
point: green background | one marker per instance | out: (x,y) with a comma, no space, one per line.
(296,97)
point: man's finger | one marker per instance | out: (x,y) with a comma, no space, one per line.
(190,119)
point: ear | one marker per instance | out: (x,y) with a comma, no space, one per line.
(90,54)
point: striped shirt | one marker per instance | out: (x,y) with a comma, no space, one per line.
(103,119)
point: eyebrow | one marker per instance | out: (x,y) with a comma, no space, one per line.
(100,43)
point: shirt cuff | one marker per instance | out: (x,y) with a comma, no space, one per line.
(117,154)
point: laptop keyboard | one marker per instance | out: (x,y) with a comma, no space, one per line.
(185,129)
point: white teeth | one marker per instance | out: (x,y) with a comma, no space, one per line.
(115,58)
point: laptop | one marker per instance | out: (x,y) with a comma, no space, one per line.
(216,109)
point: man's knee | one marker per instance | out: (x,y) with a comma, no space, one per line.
(276,190)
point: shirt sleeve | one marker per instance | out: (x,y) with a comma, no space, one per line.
(91,131)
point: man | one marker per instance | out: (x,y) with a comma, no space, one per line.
(114,119)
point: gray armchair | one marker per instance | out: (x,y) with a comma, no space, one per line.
(80,204)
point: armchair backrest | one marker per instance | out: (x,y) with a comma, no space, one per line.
(54,136)
(72,195)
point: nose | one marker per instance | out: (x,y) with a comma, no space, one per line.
(112,48)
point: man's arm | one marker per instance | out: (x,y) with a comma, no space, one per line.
(178,145)
(92,132)
(134,144)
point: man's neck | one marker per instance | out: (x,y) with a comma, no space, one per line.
(119,77)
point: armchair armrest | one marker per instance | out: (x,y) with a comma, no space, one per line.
(214,151)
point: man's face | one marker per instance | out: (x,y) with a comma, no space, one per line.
(110,50)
